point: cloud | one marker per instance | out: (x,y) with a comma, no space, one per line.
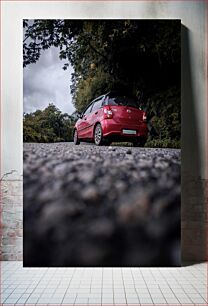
(46,82)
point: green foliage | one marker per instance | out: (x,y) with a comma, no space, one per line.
(165,106)
(91,87)
(122,144)
(163,143)
(48,125)
(139,56)
(88,89)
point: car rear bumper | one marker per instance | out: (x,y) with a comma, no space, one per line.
(111,129)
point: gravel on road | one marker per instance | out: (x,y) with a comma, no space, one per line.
(101,206)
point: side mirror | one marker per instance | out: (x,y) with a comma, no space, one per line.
(80,115)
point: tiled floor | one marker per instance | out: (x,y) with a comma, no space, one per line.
(103,286)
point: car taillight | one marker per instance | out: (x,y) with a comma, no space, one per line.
(108,114)
(144,117)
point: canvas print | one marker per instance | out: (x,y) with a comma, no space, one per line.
(102,130)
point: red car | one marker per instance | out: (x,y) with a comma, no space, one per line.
(112,117)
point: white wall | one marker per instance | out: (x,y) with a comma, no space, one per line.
(194,79)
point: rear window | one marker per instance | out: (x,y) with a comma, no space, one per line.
(123,101)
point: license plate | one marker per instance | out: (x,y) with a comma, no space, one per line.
(129,132)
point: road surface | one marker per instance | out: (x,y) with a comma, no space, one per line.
(101,206)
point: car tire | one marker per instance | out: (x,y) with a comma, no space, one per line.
(98,135)
(76,139)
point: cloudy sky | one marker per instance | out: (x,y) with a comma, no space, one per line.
(46,82)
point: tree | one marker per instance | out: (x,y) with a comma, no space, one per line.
(48,125)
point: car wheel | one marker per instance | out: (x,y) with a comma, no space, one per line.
(98,135)
(76,139)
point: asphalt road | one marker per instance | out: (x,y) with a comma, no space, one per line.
(101,206)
